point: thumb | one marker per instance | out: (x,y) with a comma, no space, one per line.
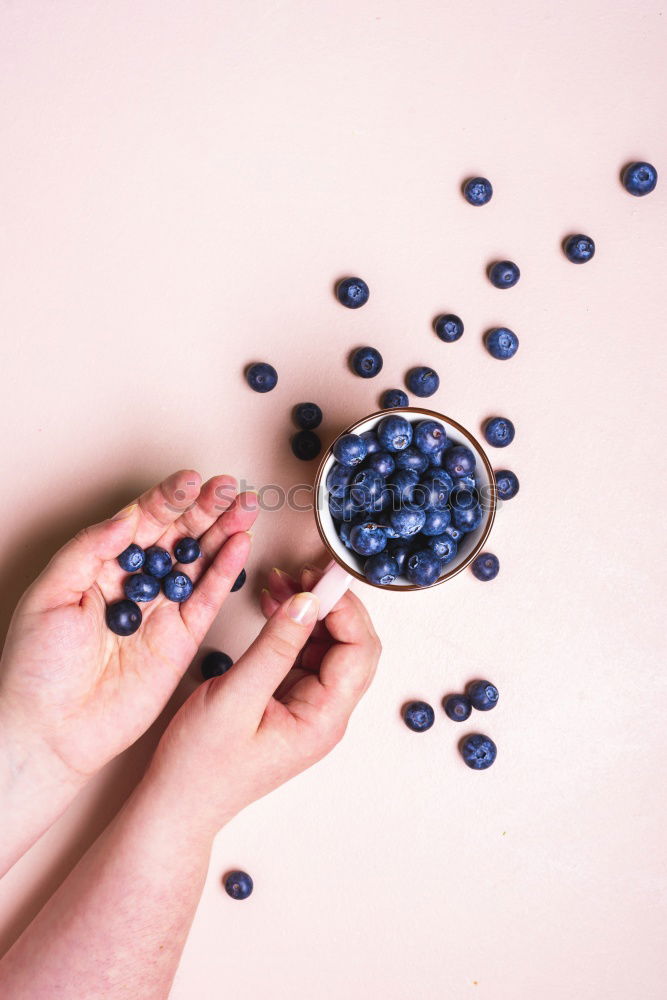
(257,673)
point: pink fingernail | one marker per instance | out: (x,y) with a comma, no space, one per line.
(303,608)
(125,512)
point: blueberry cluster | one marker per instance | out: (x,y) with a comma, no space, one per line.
(402,497)
(478,751)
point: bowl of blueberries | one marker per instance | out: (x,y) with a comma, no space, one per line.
(404,499)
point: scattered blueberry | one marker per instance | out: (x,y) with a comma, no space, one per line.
(158,561)
(459,461)
(392,399)
(123,617)
(499,432)
(382,462)
(429,436)
(132,558)
(350,450)
(141,588)
(478,191)
(187,550)
(262,377)
(411,458)
(381,568)
(640,178)
(579,248)
(394,433)
(367,362)
(177,586)
(507,484)
(239,581)
(367,538)
(448,327)
(418,716)
(238,885)
(422,381)
(306,445)
(408,520)
(483,695)
(479,752)
(485,566)
(423,567)
(307,416)
(501,343)
(215,664)
(457,707)
(504,274)
(352,292)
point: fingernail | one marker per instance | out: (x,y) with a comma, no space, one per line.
(125,512)
(278,572)
(303,608)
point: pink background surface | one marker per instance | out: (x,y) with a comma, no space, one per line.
(181,184)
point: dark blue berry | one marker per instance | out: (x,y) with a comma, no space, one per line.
(449,327)
(467,518)
(485,566)
(423,567)
(478,751)
(408,520)
(402,486)
(239,581)
(429,436)
(504,274)
(507,484)
(422,381)
(187,550)
(342,508)
(381,568)
(382,462)
(478,191)
(459,461)
(141,588)
(444,547)
(366,487)
(368,538)
(338,479)
(418,716)
(158,561)
(499,432)
(215,664)
(483,695)
(371,440)
(501,343)
(640,178)
(432,492)
(367,362)
(132,558)
(306,445)
(123,617)
(350,450)
(400,552)
(307,416)
(238,885)
(352,292)
(436,522)
(391,399)
(579,248)
(177,586)
(457,707)
(344,530)
(454,533)
(411,458)
(262,377)
(394,433)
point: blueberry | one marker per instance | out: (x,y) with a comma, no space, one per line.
(504,274)
(432,492)
(507,484)
(501,343)
(400,552)
(640,178)
(123,617)
(429,436)
(239,581)
(352,292)
(454,533)
(215,664)
(444,547)
(411,458)
(367,538)
(141,587)
(187,550)
(394,433)
(422,381)
(344,530)
(459,461)
(483,695)
(423,567)
(457,707)
(467,519)
(372,443)
(486,566)
(391,399)
(307,416)
(367,487)
(579,248)
(238,885)
(418,716)
(478,191)
(306,445)
(367,362)
(466,483)
(262,377)
(499,432)
(158,562)
(177,586)
(436,522)
(383,520)
(435,460)
(342,508)
(350,450)
(338,479)
(478,751)
(132,558)
(408,520)
(381,568)
(448,327)
(382,462)
(402,486)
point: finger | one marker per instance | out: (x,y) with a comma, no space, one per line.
(281,585)
(313,654)
(257,674)
(241,516)
(215,497)
(268,604)
(198,613)
(293,677)
(165,503)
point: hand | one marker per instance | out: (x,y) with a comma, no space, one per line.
(71,686)
(280,708)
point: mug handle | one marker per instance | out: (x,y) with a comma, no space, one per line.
(331,586)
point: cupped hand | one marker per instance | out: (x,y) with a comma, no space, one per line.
(70,684)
